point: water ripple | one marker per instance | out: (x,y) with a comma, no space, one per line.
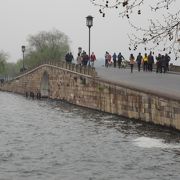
(44,140)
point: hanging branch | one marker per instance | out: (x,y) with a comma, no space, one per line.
(126,5)
(166,35)
(162,4)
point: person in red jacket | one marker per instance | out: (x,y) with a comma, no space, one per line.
(92,59)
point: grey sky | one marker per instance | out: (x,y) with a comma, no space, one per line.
(20,18)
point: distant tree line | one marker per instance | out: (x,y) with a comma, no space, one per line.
(41,47)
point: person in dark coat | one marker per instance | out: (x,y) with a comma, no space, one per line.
(150,61)
(120,58)
(114,59)
(158,63)
(85,58)
(139,61)
(70,57)
(67,57)
(167,59)
(163,64)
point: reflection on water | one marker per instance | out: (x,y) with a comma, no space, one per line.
(44,140)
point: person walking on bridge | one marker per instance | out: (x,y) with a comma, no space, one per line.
(145,62)
(167,59)
(85,58)
(158,63)
(107,55)
(79,59)
(150,61)
(69,57)
(132,61)
(114,59)
(139,61)
(92,59)
(120,58)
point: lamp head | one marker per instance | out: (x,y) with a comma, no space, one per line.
(89,21)
(23,48)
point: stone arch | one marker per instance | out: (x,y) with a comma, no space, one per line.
(44,86)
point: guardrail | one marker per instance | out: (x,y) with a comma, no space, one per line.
(86,70)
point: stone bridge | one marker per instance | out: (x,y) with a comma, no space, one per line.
(49,79)
(82,86)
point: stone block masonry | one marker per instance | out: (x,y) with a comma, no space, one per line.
(91,92)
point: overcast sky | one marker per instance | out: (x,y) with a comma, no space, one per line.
(21,18)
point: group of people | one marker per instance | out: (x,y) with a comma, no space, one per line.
(82,59)
(117,59)
(147,62)
(69,57)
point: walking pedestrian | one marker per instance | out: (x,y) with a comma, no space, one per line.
(167,59)
(79,59)
(106,59)
(114,59)
(145,62)
(139,61)
(92,59)
(120,58)
(70,57)
(132,61)
(163,64)
(67,57)
(150,61)
(85,58)
(158,63)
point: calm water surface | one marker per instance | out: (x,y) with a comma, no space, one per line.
(49,140)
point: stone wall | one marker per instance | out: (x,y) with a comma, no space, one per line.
(91,92)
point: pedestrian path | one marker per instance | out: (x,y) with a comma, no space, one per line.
(157,83)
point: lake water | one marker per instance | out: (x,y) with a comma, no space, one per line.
(53,140)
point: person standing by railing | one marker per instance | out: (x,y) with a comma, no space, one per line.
(69,57)
(79,59)
(85,58)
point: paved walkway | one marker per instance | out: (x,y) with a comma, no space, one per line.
(157,83)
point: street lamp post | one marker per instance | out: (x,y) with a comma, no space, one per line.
(23,50)
(89,23)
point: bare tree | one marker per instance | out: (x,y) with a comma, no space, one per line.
(161,34)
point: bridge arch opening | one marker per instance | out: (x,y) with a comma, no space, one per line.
(44,86)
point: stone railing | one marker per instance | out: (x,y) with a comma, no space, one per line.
(174,68)
(86,70)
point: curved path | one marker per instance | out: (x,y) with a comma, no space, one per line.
(157,83)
